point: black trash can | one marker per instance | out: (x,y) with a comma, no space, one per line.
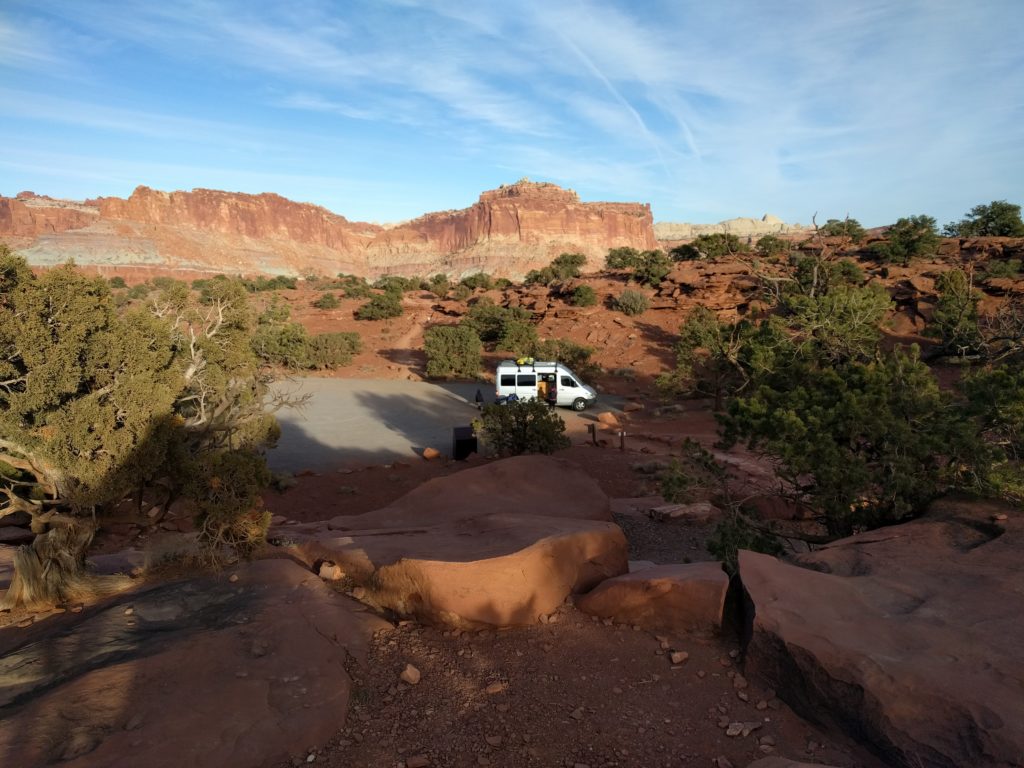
(463,443)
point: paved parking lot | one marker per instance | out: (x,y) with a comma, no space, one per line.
(351,421)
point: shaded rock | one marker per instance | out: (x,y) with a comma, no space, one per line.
(672,598)
(641,565)
(499,544)
(782,762)
(175,684)
(700,512)
(12,535)
(18,519)
(907,636)
(129,562)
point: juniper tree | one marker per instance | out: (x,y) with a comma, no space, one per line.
(97,404)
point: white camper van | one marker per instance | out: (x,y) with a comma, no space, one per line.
(528,379)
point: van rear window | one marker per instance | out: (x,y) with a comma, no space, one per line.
(527,380)
(508,379)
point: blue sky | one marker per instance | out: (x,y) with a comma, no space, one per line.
(385,109)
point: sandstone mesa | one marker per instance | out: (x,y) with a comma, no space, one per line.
(509,231)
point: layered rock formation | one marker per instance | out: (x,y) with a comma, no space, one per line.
(908,637)
(741,227)
(497,545)
(508,232)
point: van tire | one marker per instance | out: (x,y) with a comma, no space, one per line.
(579,404)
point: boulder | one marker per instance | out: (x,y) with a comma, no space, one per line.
(783,762)
(669,598)
(205,673)
(496,545)
(908,636)
(608,419)
(699,512)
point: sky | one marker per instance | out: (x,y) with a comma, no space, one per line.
(381,110)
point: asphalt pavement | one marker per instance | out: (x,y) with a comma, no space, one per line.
(362,421)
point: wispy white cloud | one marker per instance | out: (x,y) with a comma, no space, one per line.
(701,107)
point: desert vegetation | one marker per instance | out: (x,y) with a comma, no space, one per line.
(160,401)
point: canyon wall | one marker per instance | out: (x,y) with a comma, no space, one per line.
(509,231)
(741,227)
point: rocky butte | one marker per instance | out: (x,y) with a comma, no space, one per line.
(509,231)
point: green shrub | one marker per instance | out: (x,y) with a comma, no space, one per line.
(908,239)
(332,350)
(686,252)
(398,284)
(503,283)
(461,292)
(289,345)
(439,285)
(525,426)
(544,276)
(771,247)
(999,219)
(622,258)
(352,286)
(814,276)
(863,443)
(327,301)
(275,312)
(518,336)
(712,246)
(583,296)
(847,227)
(653,267)
(568,265)
(955,320)
(117,282)
(166,283)
(631,302)
(381,307)
(569,353)
(479,280)
(488,320)
(564,267)
(1011,268)
(280,282)
(282,344)
(453,351)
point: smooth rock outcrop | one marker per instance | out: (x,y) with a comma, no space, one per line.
(206,673)
(496,545)
(909,637)
(669,598)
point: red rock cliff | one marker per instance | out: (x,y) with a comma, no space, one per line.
(509,231)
